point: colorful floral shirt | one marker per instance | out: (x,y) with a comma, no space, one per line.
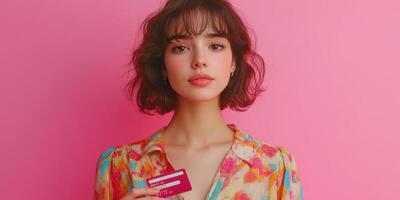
(251,170)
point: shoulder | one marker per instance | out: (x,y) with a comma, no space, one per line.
(122,152)
(117,165)
(132,151)
(113,170)
(115,161)
(282,161)
(271,154)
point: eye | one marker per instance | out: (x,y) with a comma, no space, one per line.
(217,46)
(178,49)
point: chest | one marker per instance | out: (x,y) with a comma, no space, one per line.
(201,168)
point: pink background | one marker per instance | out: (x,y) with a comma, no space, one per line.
(333,92)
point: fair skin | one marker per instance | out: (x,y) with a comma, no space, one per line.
(197,128)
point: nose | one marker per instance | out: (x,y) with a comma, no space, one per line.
(199,60)
(199,64)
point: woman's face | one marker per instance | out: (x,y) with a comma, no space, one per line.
(188,55)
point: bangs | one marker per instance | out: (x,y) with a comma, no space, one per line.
(179,19)
(194,18)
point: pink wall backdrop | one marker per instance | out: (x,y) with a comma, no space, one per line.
(333,95)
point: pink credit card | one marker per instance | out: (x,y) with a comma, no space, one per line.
(171,183)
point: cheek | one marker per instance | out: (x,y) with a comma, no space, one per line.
(224,63)
(175,66)
(171,61)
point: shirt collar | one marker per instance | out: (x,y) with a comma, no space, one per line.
(243,146)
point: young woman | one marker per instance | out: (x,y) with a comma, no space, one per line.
(196,59)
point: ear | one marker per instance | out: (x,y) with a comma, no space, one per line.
(233,68)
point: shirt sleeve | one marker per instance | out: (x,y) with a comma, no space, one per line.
(112,175)
(291,188)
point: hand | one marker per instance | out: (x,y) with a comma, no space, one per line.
(142,193)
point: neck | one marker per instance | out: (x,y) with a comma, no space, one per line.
(197,125)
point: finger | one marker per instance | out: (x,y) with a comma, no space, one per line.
(140,192)
(144,191)
(151,198)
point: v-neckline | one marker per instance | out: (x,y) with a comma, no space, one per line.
(217,175)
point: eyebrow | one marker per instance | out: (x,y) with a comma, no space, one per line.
(186,37)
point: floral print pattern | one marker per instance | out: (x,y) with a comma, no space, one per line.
(252,169)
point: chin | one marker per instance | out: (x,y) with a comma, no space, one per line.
(199,96)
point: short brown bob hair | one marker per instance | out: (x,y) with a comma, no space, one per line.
(147,60)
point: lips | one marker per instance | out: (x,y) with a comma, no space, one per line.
(200,76)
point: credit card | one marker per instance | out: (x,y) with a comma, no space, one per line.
(171,183)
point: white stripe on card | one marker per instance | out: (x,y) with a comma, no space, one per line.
(166,177)
(170,184)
